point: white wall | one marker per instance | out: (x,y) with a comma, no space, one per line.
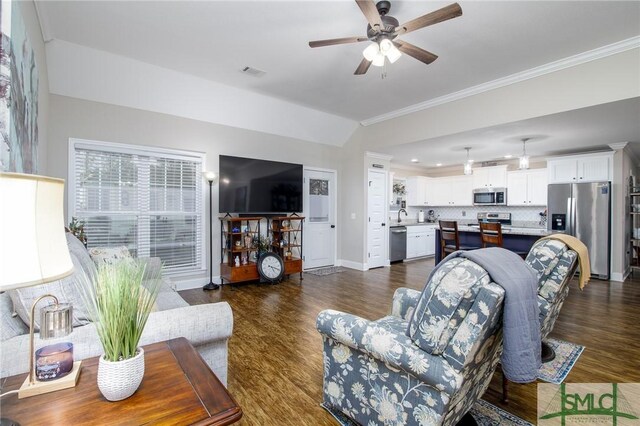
(75,118)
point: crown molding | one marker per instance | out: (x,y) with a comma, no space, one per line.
(618,145)
(378,155)
(571,61)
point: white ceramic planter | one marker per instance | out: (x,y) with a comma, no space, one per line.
(118,380)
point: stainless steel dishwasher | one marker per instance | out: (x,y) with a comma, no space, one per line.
(397,243)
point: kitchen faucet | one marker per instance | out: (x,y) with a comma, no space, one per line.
(400,211)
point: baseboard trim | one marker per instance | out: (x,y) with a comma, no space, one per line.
(189,284)
(353,265)
(618,276)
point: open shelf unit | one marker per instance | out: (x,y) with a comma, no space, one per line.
(239,237)
(286,240)
(634,199)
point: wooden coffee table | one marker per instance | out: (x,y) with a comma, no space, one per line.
(178,388)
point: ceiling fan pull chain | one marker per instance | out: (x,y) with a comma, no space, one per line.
(383,75)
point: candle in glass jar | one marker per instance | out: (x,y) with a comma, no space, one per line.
(54,361)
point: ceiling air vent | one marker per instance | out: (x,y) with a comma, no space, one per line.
(253,72)
(488,163)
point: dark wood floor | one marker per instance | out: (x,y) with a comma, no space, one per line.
(275,354)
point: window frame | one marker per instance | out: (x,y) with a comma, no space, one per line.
(144,150)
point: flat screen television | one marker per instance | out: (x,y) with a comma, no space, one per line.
(248,185)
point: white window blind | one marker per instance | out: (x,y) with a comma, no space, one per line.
(149,201)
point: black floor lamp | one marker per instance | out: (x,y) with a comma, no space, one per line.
(210,177)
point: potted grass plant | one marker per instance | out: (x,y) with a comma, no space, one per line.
(119,300)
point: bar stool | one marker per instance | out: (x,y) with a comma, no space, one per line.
(491,235)
(449,238)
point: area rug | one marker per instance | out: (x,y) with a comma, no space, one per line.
(485,414)
(328,270)
(567,354)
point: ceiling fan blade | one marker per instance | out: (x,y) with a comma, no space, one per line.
(414,51)
(448,12)
(370,12)
(332,41)
(363,67)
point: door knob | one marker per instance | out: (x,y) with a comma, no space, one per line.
(384,224)
(333,226)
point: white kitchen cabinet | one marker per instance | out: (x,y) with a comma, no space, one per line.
(580,168)
(420,241)
(431,241)
(417,191)
(537,187)
(438,189)
(490,177)
(527,187)
(451,191)
(461,190)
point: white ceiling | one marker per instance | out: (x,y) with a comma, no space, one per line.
(215,39)
(586,129)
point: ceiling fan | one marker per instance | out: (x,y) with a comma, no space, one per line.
(383,29)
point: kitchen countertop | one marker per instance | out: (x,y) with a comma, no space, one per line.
(518,229)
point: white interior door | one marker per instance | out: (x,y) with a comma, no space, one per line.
(320,211)
(377,247)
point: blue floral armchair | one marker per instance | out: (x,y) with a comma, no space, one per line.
(423,369)
(555,264)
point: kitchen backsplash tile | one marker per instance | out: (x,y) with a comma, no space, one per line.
(518,213)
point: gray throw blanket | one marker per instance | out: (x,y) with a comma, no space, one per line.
(521,325)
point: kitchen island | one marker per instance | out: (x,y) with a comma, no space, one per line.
(514,238)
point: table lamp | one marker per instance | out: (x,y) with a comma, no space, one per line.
(33,251)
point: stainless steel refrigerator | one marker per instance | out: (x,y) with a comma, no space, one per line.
(583,210)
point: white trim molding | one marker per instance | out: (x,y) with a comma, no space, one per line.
(571,61)
(191,283)
(619,277)
(378,155)
(354,265)
(618,145)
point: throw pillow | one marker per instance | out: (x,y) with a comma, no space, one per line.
(10,326)
(109,255)
(64,290)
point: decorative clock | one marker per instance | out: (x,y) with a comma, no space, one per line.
(270,267)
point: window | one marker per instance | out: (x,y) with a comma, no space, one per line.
(149,200)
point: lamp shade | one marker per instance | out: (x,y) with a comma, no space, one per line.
(210,176)
(33,246)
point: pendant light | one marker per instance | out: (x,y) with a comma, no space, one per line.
(467,165)
(524,159)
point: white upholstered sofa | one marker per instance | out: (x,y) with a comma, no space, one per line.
(208,327)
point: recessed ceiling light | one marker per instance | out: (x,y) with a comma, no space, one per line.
(438,164)
(414,160)
(508,156)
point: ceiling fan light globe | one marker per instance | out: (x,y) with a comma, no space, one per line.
(393,54)
(371,51)
(386,46)
(378,61)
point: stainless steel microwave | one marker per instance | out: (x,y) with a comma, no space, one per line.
(490,197)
